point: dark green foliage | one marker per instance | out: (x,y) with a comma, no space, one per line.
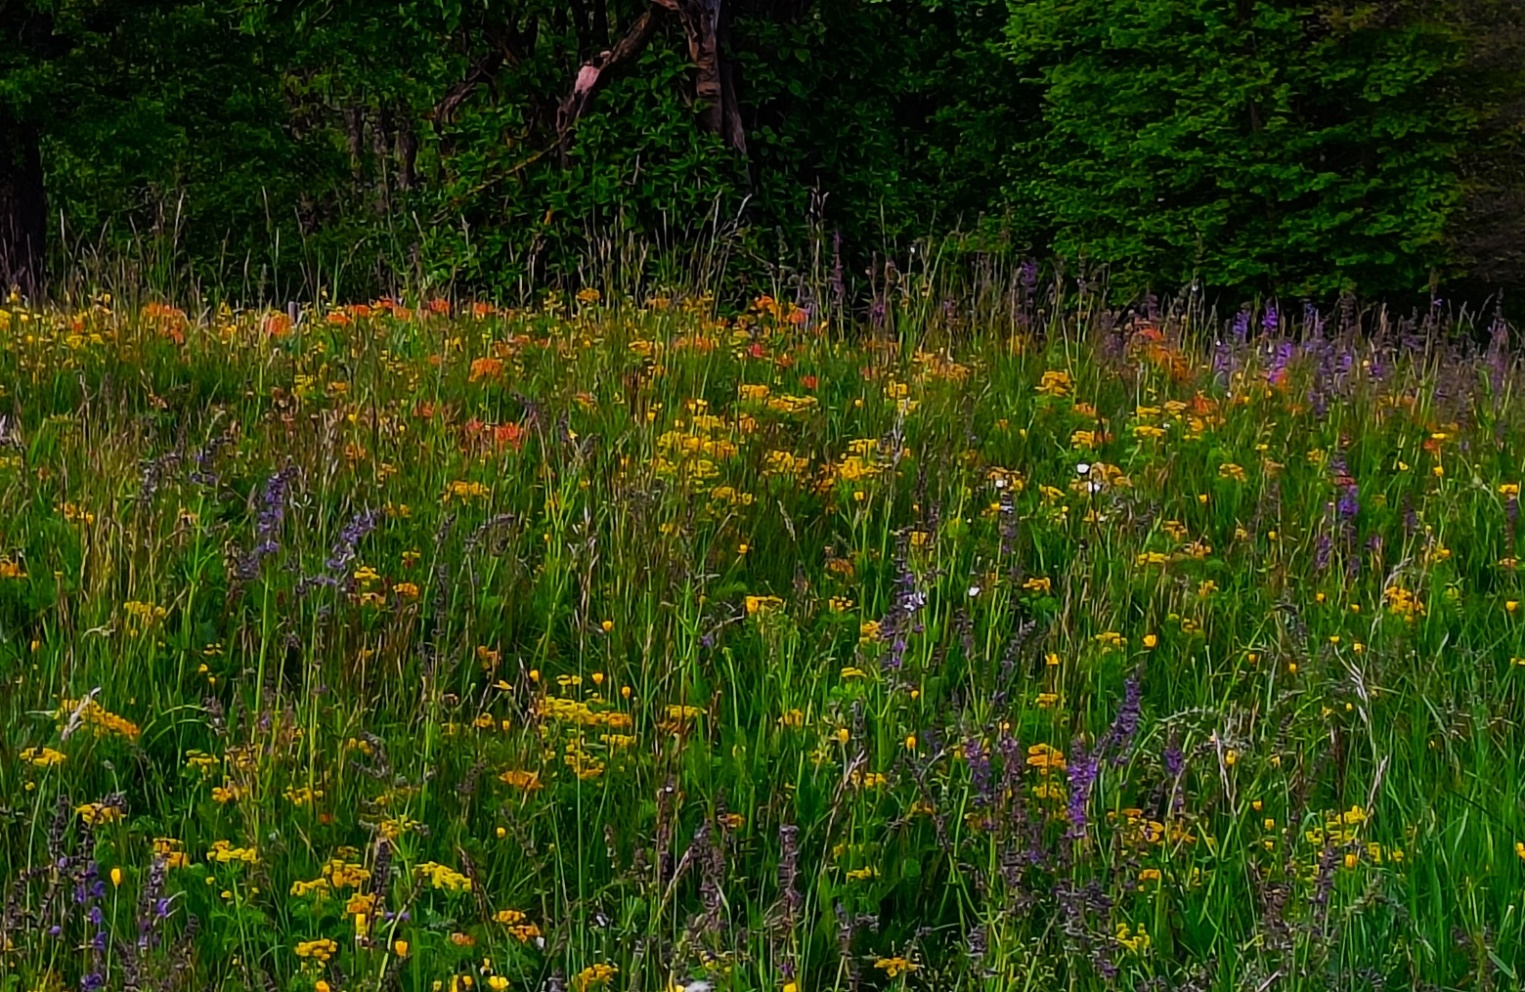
(276,147)
(1264,144)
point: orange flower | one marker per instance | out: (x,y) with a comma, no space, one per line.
(486,368)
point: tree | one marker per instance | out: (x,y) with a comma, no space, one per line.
(1275,145)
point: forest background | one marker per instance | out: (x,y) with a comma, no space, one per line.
(1234,148)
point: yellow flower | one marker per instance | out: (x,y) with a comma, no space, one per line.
(97,813)
(762,604)
(1055,383)
(319,950)
(442,877)
(42,757)
(1045,758)
(497,983)
(1136,943)
(223,852)
(592,975)
(896,966)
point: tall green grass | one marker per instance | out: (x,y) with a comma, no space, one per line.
(998,642)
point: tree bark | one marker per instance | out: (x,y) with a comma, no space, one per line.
(407,151)
(381,149)
(23,206)
(714,85)
(715,80)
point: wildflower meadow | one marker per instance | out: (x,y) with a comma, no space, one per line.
(640,643)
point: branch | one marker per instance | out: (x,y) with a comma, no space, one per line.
(595,72)
(480,72)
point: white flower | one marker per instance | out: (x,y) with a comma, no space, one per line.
(1084,468)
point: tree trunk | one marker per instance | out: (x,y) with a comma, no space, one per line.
(381,148)
(23,208)
(715,80)
(407,151)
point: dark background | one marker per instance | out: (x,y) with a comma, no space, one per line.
(1247,147)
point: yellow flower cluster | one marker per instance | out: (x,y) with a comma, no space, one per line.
(224,852)
(318,950)
(42,757)
(73,712)
(171,851)
(441,877)
(573,711)
(98,813)
(593,975)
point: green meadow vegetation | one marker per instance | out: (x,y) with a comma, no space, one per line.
(996,641)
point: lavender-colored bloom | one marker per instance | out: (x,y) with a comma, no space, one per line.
(343,553)
(1029,275)
(1281,357)
(980,779)
(1349,505)
(899,621)
(1082,776)
(1174,759)
(1312,320)
(1271,322)
(271,515)
(1323,551)
(1120,736)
